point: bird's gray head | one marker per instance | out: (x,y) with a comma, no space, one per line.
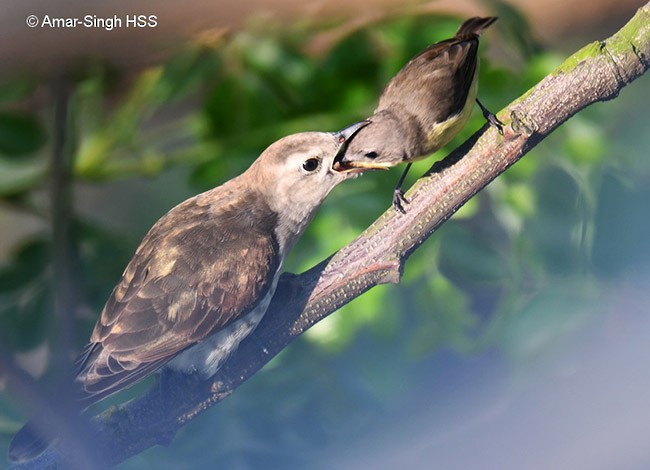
(390,138)
(296,173)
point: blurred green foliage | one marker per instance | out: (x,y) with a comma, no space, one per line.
(516,269)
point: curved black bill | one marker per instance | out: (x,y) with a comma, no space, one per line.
(345,136)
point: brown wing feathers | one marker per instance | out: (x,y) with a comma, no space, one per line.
(446,68)
(184,283)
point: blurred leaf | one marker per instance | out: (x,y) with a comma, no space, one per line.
(241,102)
(343,78)
(469,209)
(513,204)
(444,318)
(585,141)
(470,257)
(135,107)
(425,263)
(25,298)
(558,214)
(93,152)
(23,322)
(16,177)
(521,197)
(538,67)
(523,170)
(185,72)
(497,82)
(19,134)
(516,29)
(286,71)
(26,264)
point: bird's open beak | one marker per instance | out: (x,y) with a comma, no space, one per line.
(344,136)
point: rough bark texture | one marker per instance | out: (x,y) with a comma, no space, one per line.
(596,73)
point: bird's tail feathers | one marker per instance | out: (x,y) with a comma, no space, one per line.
(31,441)
(473,27)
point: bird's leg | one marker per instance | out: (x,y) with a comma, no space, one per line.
(491,118)
(398,194)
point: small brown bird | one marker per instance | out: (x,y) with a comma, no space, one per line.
(424,106)
(204,275)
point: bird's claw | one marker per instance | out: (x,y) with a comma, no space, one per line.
(494,121)
(399,200)
(491,118)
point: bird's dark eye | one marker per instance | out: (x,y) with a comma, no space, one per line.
(371,155)
(311,164)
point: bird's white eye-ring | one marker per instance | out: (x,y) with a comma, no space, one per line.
(310,165)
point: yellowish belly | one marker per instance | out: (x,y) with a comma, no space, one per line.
(443,132)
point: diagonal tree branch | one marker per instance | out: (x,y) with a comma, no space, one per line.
(595,73)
